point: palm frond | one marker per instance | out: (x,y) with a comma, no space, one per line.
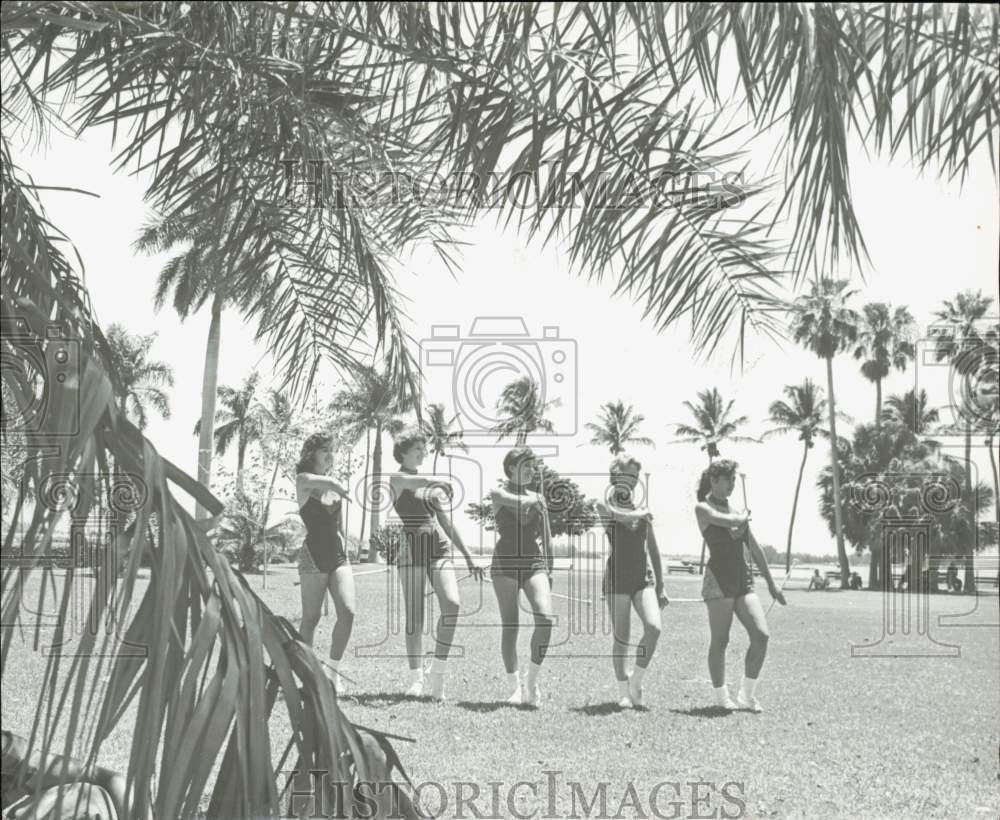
(215,658)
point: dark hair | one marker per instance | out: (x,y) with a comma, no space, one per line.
(311,446)
(619,463)
(514,457)
(405,440)
(717,469)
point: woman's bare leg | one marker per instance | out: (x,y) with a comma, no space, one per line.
(341,586)
(538,592)
(720,619)
(506,591)
(648,610)
(312,588)
(414,581)
(620,610)
(446,588)
(751,614)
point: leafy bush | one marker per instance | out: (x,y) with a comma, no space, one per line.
(241,537)
(387,540)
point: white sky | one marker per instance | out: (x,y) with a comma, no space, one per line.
(928,240)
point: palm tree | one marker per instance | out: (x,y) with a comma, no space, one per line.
(244,536)
(372,405)
(197,645)
(713,424)
(617,427)
(822,322)
(910,410)
(960,339)
(345,464)
(139,377)
(987,399)
(521,411)
(278,428)
(200,273)
(296,83)
(885,340)
(440,436)
(241,419)
(803,416)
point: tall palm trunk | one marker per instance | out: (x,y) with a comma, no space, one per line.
(115,471)
(372,557)
(878,405)
(209,385)
(845,569)
(267,507)
(270,492)
(347,507)
(364,499)
(996,483)
(701,563)
(970,569)
(240,458)
(874,560)
(795,506)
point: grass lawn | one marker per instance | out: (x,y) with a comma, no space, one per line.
(840,735)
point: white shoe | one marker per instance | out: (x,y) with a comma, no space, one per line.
(625,702)
(751,704)
(416,689)
(533,697)
(727,703)
(515,697)
(436,681)
(635,694)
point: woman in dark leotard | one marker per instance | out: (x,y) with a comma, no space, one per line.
(522,560)
(323,563)
(424,556)
(633,577)
(728,587)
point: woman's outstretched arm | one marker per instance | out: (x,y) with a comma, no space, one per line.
(707,514)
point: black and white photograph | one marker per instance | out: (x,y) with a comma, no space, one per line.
(509,410)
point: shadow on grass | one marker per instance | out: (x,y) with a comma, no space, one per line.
(705,711)
(492,706)
(386,698)
(609,708)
